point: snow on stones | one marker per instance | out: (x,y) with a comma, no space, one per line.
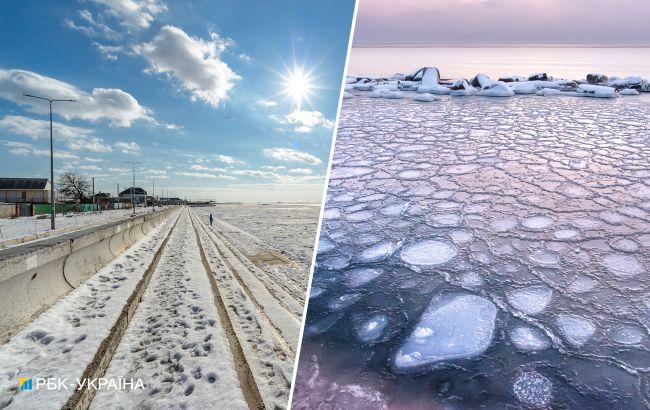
(623,266)
(496,89)
(533,389)
(628,91)
(597,91)
(531,300)
(428,253)
(529,339)
(575,329)
(377,252)
(372,328)
(436,89)
(451,328)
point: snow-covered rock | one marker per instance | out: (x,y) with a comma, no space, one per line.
(512,79)
(598,91)
(434,89)
(596,78)
(408,85)
(539,77)
(378,93)
(451,328)
(363,86)
(462,88)
(628,91)
(496,89)
(426,76)
(481,81)
(545,92)
(523,87)
(425,97)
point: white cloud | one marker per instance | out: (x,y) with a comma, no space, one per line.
(24,149)
(75,138)
(91,27)
(291,155)
(226,159)
(256,173)
(266,103)
(305,121)
(112,104)
(119,170)
(194,62)
(89,168)
(205,175)
(131,148)
(95,160)
(245,57)
(301,171)
(208,169)
(133,14)
(109,52)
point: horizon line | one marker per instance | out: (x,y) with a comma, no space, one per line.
(504,45)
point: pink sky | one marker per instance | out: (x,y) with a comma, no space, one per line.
(503,21)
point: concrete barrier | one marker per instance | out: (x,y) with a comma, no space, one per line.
(34,276)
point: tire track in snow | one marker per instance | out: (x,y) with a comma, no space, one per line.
(175,343)
(244,373)
(288,301)
(267,353)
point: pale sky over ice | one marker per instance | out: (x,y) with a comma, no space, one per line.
(503,21)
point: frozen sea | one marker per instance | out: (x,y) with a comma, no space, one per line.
(562,61)
(483,252)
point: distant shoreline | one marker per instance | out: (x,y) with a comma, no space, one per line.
(506,45)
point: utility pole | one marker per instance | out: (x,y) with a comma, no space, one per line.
(53,210)
(133,185)
(93,194)
(153,192)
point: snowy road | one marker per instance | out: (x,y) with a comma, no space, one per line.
(183,310)
(483,252)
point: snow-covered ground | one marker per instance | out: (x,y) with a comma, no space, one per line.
(289,229)
(483,252)
(26,226)
(212,329)
(175,342)
(62,341)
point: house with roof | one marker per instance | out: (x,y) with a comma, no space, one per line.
(25,190)
(139,195)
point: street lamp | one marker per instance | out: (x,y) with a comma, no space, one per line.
(133,185)
(53,211)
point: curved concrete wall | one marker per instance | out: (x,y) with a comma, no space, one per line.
(35,275)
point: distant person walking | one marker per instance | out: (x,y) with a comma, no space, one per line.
(210,219)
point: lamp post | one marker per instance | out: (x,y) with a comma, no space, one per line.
(52,211)
(133,185)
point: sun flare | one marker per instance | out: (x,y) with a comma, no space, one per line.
(299,85)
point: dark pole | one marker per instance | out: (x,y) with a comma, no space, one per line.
(53,210)
(52,207)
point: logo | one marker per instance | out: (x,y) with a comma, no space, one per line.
(25,383)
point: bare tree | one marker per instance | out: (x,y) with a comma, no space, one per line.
(73,186)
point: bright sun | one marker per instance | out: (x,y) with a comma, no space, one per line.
(298,85)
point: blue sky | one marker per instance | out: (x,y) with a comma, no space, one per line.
(198,91)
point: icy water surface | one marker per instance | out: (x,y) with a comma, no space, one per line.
(483,252)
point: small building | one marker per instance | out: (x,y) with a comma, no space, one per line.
(25,190)
(139,195)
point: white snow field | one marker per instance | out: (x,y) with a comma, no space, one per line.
(27,226)
(510,244)
(211,328)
